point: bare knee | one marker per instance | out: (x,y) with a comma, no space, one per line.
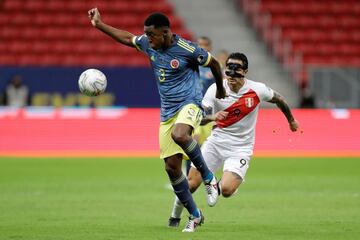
(227,191)
(230,183)
(181,138)
(181,134)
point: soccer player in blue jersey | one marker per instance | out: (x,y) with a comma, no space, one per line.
(175,62)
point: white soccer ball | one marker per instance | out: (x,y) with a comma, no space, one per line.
(92,82)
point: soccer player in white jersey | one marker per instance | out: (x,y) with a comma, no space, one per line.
(232,140)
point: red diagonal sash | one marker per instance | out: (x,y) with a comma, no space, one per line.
(238,110)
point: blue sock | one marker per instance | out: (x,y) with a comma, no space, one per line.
(192,149)
(188,166)
(181,189)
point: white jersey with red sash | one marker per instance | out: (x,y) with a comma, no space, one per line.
(238,129)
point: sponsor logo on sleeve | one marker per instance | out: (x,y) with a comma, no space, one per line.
(200,59)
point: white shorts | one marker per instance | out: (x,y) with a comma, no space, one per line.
(234,160)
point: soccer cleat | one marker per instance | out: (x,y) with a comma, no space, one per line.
(193,223)
(212,192)
(174,222)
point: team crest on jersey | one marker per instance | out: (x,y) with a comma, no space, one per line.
(174,63)
(249,102)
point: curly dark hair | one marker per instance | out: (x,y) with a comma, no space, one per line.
(158,20)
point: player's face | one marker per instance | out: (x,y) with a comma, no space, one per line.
(156,36)
(234,71)
(204,44)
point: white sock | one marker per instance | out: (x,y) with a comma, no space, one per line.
(177,208)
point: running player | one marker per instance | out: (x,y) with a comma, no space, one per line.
(232,141)
(175,63)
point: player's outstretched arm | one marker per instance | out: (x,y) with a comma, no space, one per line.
(215,67)
(284,107)
(121,36)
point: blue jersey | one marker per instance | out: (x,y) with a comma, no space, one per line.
(206,78)
(176,70)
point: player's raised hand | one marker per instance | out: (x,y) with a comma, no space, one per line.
(294,125)
(94,16)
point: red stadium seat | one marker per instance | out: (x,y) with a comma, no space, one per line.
(59,32)
(323,32)
(8,59)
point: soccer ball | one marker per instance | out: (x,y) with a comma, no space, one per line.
(92,82)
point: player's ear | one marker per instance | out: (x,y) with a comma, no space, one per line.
(165,32)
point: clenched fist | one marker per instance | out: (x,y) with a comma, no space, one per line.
(94,16)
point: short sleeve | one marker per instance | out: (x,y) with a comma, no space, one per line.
(202,57)
(209,97)
(141,42)
(265,92)
(195,53)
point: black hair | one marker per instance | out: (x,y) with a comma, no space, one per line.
(158,20)
(239,56)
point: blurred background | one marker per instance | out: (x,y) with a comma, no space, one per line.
(307,50)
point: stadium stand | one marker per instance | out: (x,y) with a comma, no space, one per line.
(229,29)
(59,33)
(308,33)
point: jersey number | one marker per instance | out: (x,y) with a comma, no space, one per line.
(242,162)
(161,75)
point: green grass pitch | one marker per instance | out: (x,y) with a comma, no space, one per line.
(127,198)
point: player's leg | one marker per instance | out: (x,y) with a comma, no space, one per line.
(180,184)
(213,158)
(188,119)
(173,154)
(175,217)
(235,169)
(182,136)
(230,182)
(194,181)
(181,189)
(201,133)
